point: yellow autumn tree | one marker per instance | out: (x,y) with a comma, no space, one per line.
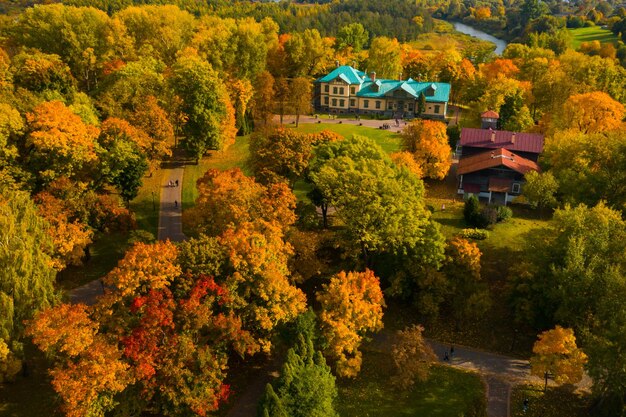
(590,113)
(352,304)
(427,140)
(557,356)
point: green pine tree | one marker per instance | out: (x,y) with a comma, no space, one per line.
(271,405)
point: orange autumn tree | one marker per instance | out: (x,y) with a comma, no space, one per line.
(229,198)
(498,68)
(62,144)
(427,140)
(406,160)
(158,340)
(351,305)
(69,236)
(154,120)
(557,356)
(590,113)
(259,279)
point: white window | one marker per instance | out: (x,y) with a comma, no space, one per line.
(516,188)
(366,103)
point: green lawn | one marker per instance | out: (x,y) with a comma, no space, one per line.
(387,140)
(594,33)
(447,393)
(235,156)
(31,395)
(146,204)
(557,402)
(105,253)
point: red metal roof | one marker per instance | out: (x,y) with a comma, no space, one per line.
(496,158)
(513,141)
(490,114)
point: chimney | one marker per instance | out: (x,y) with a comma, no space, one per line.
(513,138)
(373,76)
(493,154)
(337,64)
(493,136)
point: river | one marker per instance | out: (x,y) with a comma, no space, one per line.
(468,30)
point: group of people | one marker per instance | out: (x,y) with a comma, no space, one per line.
(172,183)
(448,355)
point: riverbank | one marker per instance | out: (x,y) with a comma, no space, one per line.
(477,33)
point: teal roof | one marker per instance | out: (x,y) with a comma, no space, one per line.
(439,92)
(346,73)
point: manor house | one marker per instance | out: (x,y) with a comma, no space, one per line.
(348,90)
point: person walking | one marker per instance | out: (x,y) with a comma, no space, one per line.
(176,203)
(177,183)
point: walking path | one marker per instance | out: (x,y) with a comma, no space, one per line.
(170,209)
(170,227)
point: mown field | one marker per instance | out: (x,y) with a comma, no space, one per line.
(593,33)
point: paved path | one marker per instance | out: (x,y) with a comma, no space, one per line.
(170,224)
(170,227)
(288,120)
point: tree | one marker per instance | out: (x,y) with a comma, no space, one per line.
(306,386)
(60,143)
(282,154)
(381,206)
(590,113)
(471,211)
(427,140)
(123,164)
(469,296)
(153,120)
(271,405)
(241,93)
(258,275)
(229,199)
(406,160)
(556,355)
(157,340)
(300,96)
(540,189)
(385,58)
(282,95)
(43,72)
(70,237)
(263,99)
(589,168)
(352,36)
(162,29)
(351,305)
(27,276)
(412,357)
(308,54)
(210,117)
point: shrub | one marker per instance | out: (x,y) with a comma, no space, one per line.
(488,216)
(476,234)
(307,217)
(504,213)
(471,211)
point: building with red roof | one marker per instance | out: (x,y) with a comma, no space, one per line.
(496,175)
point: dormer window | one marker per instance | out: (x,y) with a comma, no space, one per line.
(430,90)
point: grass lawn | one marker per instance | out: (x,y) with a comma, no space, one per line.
(494,331)
(447,393)
(31,395)
(105,254)
(594,33)
(146,204)
(389,141)
(235,156)
(556,402)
